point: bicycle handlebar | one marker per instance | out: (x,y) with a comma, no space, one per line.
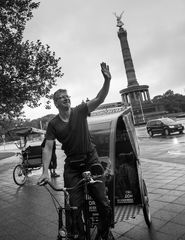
(54,187)
(87,178)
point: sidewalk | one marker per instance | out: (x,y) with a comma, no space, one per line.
(28,213)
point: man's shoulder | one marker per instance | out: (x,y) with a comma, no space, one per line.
(54,120)
(81,107)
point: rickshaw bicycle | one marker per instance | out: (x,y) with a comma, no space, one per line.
(90,214)
(30,157)
(116,142)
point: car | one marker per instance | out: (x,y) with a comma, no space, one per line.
(164,126)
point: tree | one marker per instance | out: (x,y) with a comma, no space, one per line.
(28,70)
(168,93)
(172,102)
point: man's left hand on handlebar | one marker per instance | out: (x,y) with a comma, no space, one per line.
(43,179)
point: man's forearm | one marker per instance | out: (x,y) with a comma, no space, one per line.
(46,158)
(99,99)
(103,91)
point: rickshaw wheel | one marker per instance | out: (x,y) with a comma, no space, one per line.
(146,207)
(19,175)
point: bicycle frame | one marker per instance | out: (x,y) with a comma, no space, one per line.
(62,210)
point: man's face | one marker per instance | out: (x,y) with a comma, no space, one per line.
(63,101)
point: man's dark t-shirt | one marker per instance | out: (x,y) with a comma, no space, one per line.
(74,135)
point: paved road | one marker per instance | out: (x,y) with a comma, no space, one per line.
(166,149)
(28,213)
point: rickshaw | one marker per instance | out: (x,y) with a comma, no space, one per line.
(116,142)
(115,138)
(30,156)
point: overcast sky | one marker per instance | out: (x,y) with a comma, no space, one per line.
(84,33)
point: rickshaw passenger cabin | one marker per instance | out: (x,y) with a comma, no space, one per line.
(116,143)
(31,155)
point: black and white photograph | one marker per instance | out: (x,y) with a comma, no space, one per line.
(92,118)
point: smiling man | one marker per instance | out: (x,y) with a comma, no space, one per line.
(70,128)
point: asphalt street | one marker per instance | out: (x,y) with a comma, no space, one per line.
(160,148)
(28,213)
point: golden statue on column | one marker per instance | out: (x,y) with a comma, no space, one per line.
(119,22)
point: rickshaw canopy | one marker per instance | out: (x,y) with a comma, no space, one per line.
(25,131)
(107,125)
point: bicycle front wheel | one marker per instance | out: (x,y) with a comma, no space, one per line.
(19,175)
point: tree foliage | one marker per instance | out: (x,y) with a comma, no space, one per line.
(173,102)
(28,70)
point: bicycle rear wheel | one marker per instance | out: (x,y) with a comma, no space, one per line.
(19,175)
(146,206)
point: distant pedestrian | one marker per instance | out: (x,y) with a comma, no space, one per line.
(53,162)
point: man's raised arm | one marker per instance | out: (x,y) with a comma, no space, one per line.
(95,102)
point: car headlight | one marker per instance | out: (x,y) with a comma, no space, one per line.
(171,126)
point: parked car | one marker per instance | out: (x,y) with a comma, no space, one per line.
(164,126)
